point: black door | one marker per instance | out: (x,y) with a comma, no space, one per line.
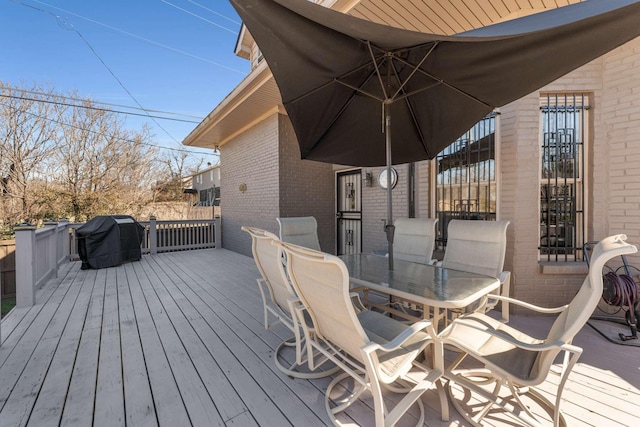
(349,212)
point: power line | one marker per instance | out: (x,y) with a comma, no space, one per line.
(133,35)
(66,25)
(106,110)
(109,135)
(122,85)
(71,98)
(199,17)
(214,12)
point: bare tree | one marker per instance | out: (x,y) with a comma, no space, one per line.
(77,160)
(170,184)
(104,168)
(28,139)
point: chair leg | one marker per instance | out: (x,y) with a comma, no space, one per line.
(506,289)
(296,369)
(511,405)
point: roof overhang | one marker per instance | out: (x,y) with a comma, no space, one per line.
(253,100)
(244,43)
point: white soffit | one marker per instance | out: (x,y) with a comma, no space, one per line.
(253,100)
(448,16)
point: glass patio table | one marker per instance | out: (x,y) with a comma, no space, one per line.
(427,285)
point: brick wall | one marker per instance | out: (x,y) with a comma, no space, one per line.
(307,188)
(250,159)
(620,192)
(614,184)
(374,207)
(266,159)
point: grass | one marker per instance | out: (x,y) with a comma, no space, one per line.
(7,305)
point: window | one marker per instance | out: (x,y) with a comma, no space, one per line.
(466,178)
(563,127)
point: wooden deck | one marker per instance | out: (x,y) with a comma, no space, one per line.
(177,339)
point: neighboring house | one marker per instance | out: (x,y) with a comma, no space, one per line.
(205,186)
(560,163)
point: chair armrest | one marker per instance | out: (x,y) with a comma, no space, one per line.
(511,340)
(400,339)
(530,306)
(433,262)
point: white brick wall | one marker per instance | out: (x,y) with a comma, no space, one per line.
(278,183)
(612,178)
(252,159)
(374,208)
(307,188)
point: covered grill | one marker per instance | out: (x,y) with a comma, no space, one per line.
(108,241)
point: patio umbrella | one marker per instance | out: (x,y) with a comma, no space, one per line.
(348,84)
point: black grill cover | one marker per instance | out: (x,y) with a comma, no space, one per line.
(107,241)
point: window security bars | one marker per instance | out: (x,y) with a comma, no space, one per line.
(466,178)
(562,187)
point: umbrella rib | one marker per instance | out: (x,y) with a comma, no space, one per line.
(344,107)
(357,89)
(422,89)
(414,71)
(339,80)
(442,82)
(409,106)
(375,64)
(311,92)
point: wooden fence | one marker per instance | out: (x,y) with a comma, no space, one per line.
(8,268)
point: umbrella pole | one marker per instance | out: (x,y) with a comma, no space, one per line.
(389,228)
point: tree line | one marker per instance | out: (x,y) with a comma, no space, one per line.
(74,160)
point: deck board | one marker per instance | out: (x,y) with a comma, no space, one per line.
(168,401)
(178,339)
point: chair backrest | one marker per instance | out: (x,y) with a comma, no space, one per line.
(268,258)
(414,239)
(301,231)
(322,284)
(574,317)
(476,246)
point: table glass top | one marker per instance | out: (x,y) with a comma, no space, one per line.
(427,282)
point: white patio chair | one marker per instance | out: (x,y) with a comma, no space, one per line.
(414,239)
(278,298)
(479,247)
(375,350)
(301,231)
(518,361)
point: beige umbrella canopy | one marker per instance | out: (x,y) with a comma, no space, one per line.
(364,94)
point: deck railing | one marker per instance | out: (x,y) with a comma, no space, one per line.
(39,252)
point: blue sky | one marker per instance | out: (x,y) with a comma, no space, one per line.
(170,55)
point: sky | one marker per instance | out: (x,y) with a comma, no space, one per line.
(173,56)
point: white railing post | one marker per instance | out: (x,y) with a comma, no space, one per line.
(25,265)
(217,230)
(52,247)
(0,314)
(153,236)
(63,250)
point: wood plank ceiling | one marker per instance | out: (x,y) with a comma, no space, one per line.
(446,16)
